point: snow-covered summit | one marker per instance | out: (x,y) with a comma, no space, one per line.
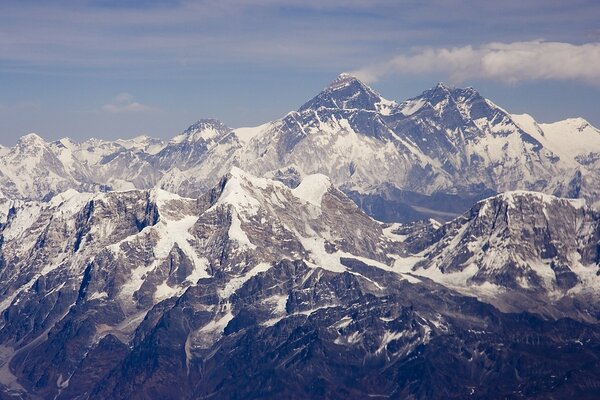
(312,188)
(348,92)
(446,140)
(31,139)
(205,129)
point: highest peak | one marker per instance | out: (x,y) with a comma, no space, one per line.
(345,79)
(443,87)
(346,92)
(30,142)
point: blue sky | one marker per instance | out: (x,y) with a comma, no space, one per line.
(109,68)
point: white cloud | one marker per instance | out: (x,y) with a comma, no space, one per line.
(19,106)
(507,62)
(124,102)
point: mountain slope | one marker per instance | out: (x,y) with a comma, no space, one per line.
(519,251)
(447,142)
(259,290)
(254,290)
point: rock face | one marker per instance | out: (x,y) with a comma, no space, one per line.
(517,248)
(448,143)
(258,290)
(240,263)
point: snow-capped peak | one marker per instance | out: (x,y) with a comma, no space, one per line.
(238,190)
(511,198)
(204,129)
(347,92)
(441,86)
(31,139)
(577,123)
(344,79)
(312,188)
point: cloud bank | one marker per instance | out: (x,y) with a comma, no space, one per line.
(506,62)
(124,103)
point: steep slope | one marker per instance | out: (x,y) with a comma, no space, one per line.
(259,290)
(446,141)
(474,141)
(116,256)
(577,143)
(429,156)
(32,170)
(519,251)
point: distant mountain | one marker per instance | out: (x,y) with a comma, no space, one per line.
(397,160)
(258,290)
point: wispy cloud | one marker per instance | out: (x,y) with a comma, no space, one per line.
(25,105)
(124,103)
(507,62)
(162,34)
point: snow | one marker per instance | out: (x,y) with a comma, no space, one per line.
(344,322)
(246,134)
(313,188)
(143,143)
(164,291)
(277,303)
(98,296)
(27,214)
(170,230)
(386,107)
(274,321)
(237,192)
(509,198)
(235,283)
(412,106)
(351,339)
(207,133)
(388,233)
(528,124)
(319,256)
(343,80)
(32,139)
(571,138)
(389,337)
(237,233)
(178,232)
(70,201)
(217,325)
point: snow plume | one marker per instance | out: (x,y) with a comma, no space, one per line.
(507,62)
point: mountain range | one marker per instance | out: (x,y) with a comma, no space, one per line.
(246,263)
(433,155)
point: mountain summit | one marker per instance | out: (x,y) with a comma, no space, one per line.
(447,143)
(347,92)
(240,263)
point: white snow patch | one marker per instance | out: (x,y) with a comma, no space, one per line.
(273,321)
(313,188)
(412,106)
(164,291)
(235,283)
(237,233)
(217,326)
(248,133)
